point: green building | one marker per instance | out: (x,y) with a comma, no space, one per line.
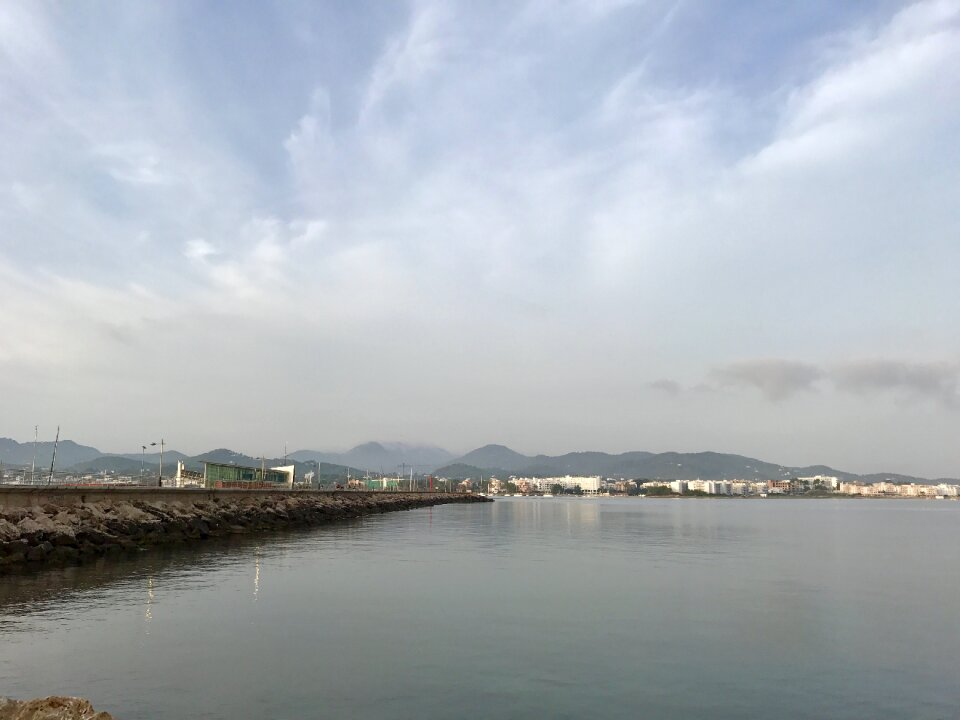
(223,475)
(383,484)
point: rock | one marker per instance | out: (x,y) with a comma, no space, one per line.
(50,708)
(64,554)
(8,531)
(63,534)
(39,552)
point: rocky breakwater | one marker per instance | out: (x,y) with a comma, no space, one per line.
(51,708)
(66,534)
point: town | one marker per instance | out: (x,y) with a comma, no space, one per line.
(814,486)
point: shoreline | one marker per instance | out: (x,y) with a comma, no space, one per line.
(69,527)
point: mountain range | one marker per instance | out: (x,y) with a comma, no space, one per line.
(396,458)
(503,462)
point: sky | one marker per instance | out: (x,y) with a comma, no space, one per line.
(611,225)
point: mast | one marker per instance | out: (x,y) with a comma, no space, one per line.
(33,465)
(54,458)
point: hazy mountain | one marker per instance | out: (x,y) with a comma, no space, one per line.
(902,479)
(68,453)
(500,461)
(169,456)
(498,456)
(388,457)
(121,465)
(460,471)
(488,460)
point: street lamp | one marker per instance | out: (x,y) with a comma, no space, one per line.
(160,473)
(143,454)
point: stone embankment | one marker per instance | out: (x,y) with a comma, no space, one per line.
(51,708)
(67,533)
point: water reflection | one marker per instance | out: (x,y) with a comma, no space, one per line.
(148,612)
(523,608)
(256,572)
(175,568)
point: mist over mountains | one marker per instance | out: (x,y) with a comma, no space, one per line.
(397,458)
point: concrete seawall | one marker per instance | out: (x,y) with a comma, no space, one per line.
(40,526)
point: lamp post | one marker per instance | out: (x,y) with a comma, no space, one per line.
(143,454)
(160,473)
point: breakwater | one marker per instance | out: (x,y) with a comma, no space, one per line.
(50,708)
(64,527)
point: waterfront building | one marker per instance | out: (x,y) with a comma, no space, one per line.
(589,485)
(384,483)
(826,480)
(224,475)
(187,478)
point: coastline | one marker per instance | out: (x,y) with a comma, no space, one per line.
(68,527)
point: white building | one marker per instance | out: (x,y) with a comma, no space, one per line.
(825,480)
(591,485)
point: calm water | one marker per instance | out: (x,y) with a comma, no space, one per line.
(550,608)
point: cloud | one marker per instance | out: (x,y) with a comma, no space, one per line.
(856,104)
(489,188)
(666,386)
(410,56)
(198,249)
(776,379)
(937,381)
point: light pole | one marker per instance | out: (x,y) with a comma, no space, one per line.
(160,473)
(143,454)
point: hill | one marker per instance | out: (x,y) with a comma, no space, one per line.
(496,456)
(461,471)
(502,461)
(22,454)
(381,457)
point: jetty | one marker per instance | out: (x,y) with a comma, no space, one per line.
(67,526)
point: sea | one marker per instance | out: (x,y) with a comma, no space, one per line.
(520,608)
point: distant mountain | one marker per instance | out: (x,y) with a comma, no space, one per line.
(385,457)
(499,460)
(461,471)
(899,479)
(68,453)
(497,456)
(120,465)
(496,460)
(169,456)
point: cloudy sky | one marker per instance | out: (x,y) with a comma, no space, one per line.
(612,225)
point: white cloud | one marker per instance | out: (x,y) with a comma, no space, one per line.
(198,249)
(541,199)
(410,56)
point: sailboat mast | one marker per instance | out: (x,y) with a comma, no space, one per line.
(53,460)
(33,465)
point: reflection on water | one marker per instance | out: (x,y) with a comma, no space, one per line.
(147,614)
(523,608)
(256,572)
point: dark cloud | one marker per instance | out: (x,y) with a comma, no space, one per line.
(935,381)
(777,379)
(665,385)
